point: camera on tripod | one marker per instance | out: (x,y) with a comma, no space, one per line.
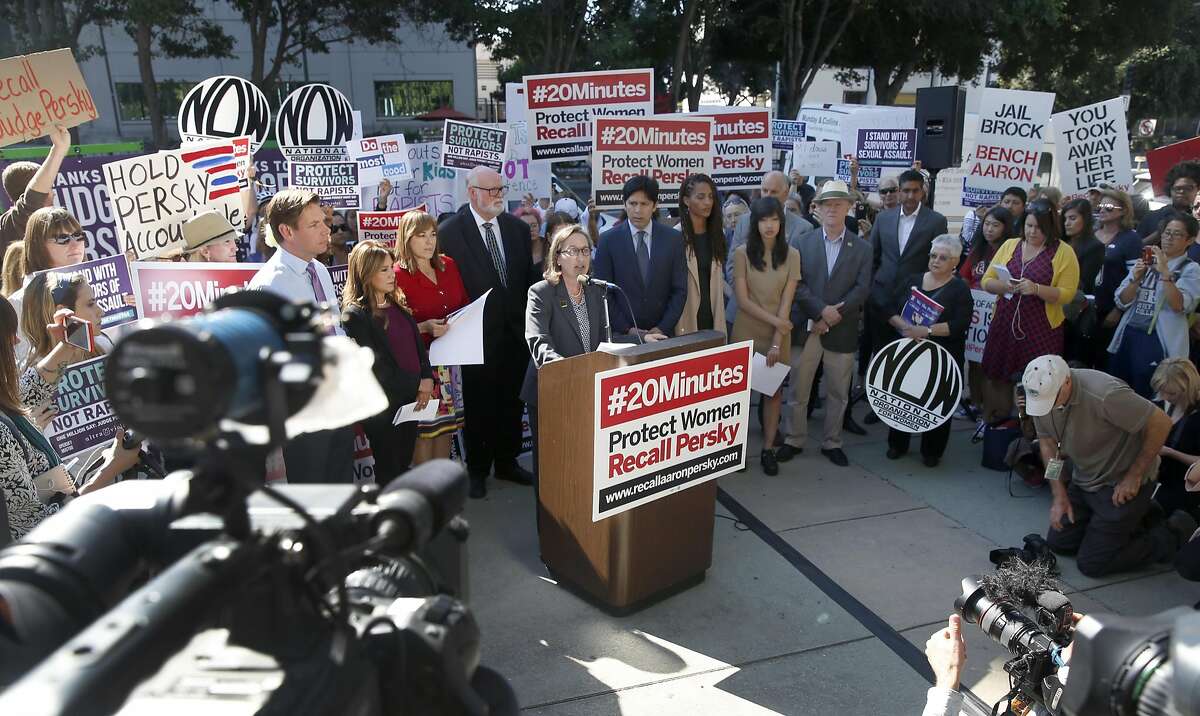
(1116,665)
(294,599)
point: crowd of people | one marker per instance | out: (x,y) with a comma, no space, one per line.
(1093,320)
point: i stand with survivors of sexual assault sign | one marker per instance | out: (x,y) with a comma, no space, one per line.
(668,425)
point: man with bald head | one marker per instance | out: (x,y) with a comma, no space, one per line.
(492,250)
(774,184)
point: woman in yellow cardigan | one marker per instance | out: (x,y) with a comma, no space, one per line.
(1028,319)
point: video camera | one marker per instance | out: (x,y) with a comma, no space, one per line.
(213,589)
(1117,665)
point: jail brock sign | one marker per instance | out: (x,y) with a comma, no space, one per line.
(668,425)
(914,386)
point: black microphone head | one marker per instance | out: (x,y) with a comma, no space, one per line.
(443,484)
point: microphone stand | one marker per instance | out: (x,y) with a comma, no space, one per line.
(607,320)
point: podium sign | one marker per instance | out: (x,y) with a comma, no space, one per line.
(668,425)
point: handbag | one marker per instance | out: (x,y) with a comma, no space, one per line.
(996,439)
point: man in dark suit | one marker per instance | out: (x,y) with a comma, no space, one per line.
(644,258)
(492,250)
(901,239)
(836,279)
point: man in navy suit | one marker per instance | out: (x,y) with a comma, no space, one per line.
(644,258)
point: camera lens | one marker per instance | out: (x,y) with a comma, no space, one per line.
(180,379)
(1005,623)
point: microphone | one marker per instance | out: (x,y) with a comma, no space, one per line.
(585,280)
(417,505)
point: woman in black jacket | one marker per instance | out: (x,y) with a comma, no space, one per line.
(948,330)
(376,315)
(1082,320)
(1178,385)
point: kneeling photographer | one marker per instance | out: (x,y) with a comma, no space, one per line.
(1113,437)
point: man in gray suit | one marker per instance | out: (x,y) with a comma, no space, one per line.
(835,280)
(901,239)
(774,184)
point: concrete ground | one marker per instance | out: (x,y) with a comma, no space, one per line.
(757,637)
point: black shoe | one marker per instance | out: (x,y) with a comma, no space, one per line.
(769,464)
(478,489)
(930,460)
(852,427)
(786,452)
(837,457)
(871,419)
(516,474)
(894,454)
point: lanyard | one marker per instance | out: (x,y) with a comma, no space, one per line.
(1058,436)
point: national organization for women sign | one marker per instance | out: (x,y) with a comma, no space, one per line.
(914,386)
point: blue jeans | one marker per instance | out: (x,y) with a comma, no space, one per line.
(1136,359)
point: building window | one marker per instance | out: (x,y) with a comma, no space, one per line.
(398,99)
(132,99)
(854,96)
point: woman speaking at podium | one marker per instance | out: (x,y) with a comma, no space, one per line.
(563,317)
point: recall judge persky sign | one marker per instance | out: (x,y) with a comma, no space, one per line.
(668,425)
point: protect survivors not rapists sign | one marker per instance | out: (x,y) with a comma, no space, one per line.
(668,425)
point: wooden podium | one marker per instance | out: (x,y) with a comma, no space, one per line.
(630,558)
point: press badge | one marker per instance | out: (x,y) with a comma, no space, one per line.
(1054,469)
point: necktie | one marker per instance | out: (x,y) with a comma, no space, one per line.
(494,249)
(319,292)
(643,256)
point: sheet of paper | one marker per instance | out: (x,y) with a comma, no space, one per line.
(766,380)
(462,343)
(409,412)
(606,347)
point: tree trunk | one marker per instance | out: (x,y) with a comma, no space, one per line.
(889,81)
(682,41)
(143,37)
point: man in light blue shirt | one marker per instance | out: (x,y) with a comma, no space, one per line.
(298,224)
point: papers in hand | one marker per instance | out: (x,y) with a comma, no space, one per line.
(408,413)
(766,380)
(462,343)
(1003,274)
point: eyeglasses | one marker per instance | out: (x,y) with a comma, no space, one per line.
(68,238)
(888,191)
(338,227)
(1173,234)
(1107,207)
(939,257)
(494,191)
(574,252)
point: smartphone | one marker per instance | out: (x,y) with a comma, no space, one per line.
(1148,255)
(79,334)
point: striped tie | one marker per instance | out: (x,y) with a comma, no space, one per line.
(494,250)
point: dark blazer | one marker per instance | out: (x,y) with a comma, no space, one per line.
(957,309)
(1090,253)
(399,386)
(659,304)
(552,331)
(890,265)
(850,282)
(504,314)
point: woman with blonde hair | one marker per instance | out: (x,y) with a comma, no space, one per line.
(13,271)
(434,289)
(376,315)
(46,294)
(53,239)
(1178,387)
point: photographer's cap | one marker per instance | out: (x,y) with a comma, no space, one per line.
(1043,377)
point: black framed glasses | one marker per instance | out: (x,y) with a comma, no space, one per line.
(65,239)
(338,227)
(494,192)
(573,252)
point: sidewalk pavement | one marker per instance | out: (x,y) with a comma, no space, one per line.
(757,637)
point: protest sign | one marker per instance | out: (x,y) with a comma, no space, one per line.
(815,159)
(154,194)
(40,90)
(981,320)
(225,107)
(1162,159)
(1092,145)
(382,225)
(1008,142)
(914,386)
(522,174)
(439,189)
(886,147)
(467,145)
(178,290)
(337,276)
(270,172)
(561,108)
(668,425)
(668,149)
(84,419)
(786,132)
(841,122)
(741,144)
(314,124)
(111,285)
(381,158)
(335,182)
